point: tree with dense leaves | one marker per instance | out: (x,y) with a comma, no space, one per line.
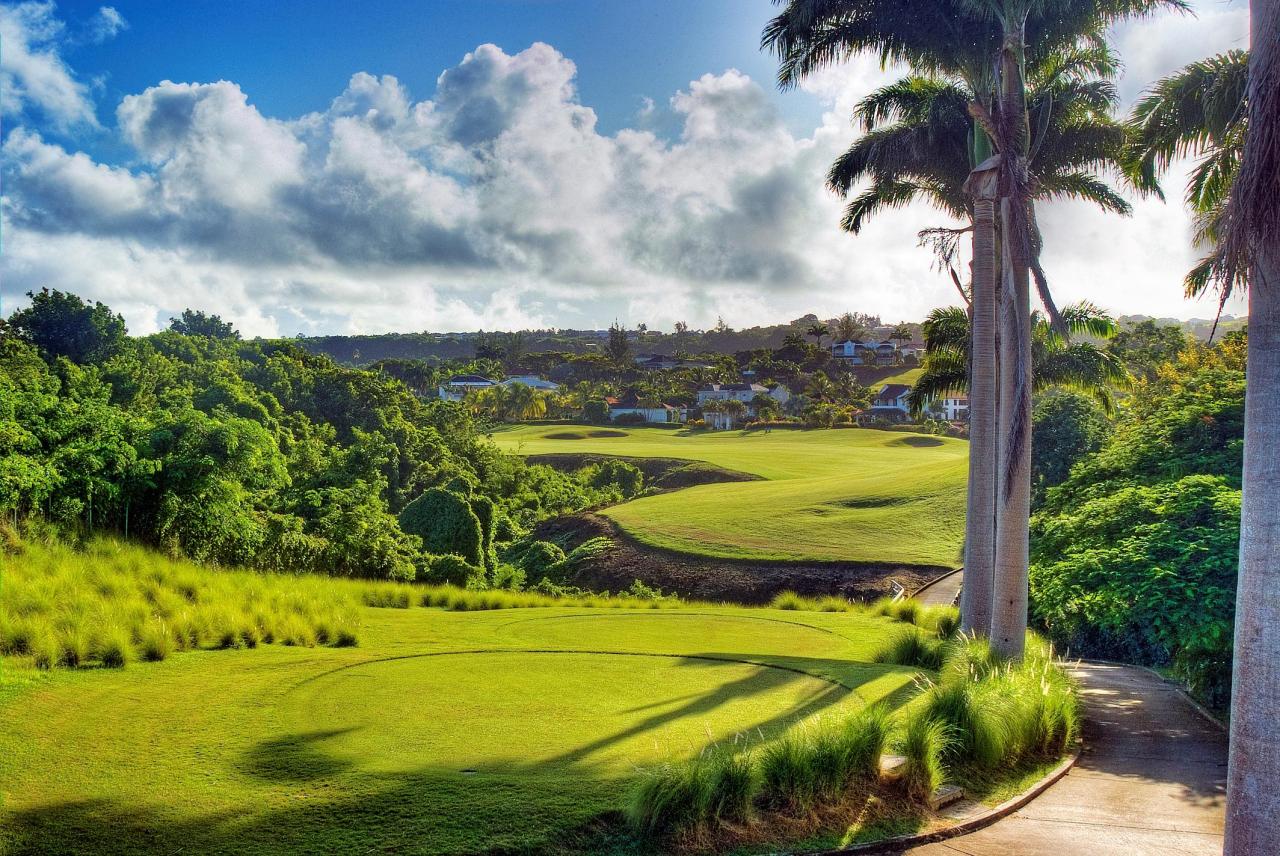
(61,324)
(195,323)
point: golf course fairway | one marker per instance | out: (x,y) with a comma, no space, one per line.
(858,495)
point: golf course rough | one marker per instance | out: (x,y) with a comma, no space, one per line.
(863,496)
(442,733)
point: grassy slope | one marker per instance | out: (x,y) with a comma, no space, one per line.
(853,495)
(362,749)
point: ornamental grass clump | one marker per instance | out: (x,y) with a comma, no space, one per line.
(112,603)
(912,647)
(924,743)
(670,799)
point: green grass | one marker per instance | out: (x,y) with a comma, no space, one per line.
(455,729)
(855,495)
(906,376)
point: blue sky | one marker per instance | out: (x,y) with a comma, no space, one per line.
(323,167)
(293,55)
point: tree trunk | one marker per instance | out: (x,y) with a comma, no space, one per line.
(1253,774)
(979,537)
(1013,467)
(1253,777)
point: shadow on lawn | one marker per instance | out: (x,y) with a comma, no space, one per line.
(309,801)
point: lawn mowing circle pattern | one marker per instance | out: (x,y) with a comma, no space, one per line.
(517,713)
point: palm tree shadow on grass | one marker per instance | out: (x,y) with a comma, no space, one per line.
(315,802)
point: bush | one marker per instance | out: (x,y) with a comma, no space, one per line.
(540,557)
(485,511)
(457,571)
(627,478)
(795,768)
(732,787)
(446,524)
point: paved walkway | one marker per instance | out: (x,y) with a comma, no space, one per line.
(1151,779)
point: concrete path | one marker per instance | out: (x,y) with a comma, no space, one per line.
(942,591)
(1151,780)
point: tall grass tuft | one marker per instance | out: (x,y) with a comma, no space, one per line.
(732,787)
(792,769)
(911,647)
(923,743)
(670,799)
(112,603)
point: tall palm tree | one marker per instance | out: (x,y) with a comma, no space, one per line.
(1025,25)
(1250,229)
(1226,110)
(1056,360)
(962,39)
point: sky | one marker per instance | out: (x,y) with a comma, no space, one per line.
(402,165)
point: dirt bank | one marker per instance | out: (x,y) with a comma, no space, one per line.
(739,581)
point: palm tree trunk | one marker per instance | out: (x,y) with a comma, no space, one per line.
(1253,774)
(1013,491)
(1013,469)
(1253,777)
(979,539)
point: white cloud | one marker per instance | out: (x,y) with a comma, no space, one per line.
(497,202)
(33,75)
(106,24)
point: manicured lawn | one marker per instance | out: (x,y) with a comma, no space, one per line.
(443,732)
(846,495)
(907,376)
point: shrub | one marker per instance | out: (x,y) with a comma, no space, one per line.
(627,478)
(540,557)
(787,600)
(978,723)
(73,646)
(923,743)
(910,647)
(864,736)
(446,524)
(456,571)
(485,511)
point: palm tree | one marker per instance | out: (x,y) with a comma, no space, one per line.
(960,39)
(1056,361)
(817,332)
(1249,231)
(1200,110)
(1232,121)
(820,388)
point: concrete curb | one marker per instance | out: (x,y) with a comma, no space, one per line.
(935,581)
(964,827)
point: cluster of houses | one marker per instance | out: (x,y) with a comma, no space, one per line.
(891,402)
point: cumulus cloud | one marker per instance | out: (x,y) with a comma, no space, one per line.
(33,74)
(497,201)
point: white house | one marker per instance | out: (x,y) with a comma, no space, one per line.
(744,392)
(457,387)
(891,401)
(533,382)
(629,405)
(852,353)
(955,409)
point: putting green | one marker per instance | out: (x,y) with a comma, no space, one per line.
(879,497)
(442,733)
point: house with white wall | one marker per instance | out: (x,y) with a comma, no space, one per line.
(457,387)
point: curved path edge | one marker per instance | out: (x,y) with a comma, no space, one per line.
(973,824)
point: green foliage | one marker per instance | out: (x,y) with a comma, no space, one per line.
(485,511)
(446,524)
(1066,426)
(539,558)
(1134,555)
(596,411)
(63,325)
(625,478)
(452,569)
(196,323)
(1147,346)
